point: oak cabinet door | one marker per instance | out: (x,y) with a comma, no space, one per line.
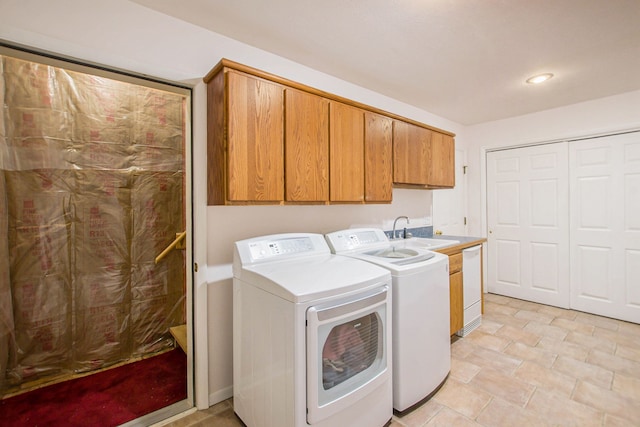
(306,147)
(456,303)
(346,153)
(442,169)
(216,141)
(411,153)
(274,141)
(378,151)
(255,139)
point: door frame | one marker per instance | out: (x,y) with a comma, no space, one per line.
(461,185)
(197,362)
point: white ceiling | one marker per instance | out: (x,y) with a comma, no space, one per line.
(464,60)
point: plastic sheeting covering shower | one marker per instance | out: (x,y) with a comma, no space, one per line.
(91,190)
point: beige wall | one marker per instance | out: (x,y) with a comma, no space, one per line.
(227,224)
(600,116)
(124,35)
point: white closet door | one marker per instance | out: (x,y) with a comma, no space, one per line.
(605,226)
(527,211)
(449,207)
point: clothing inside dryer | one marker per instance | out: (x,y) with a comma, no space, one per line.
(349,349)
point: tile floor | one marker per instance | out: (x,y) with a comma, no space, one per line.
(527,365)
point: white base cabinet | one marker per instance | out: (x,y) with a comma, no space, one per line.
(471,289)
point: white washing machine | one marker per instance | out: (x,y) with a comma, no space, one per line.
(311,335)
(420,284)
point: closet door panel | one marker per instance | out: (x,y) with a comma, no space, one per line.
(528,241)
(605,226)
(564,224)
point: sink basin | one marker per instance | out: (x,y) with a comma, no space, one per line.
(424,243)
(393,252)
(401,256)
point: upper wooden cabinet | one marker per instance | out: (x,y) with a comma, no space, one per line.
(361,155)
(306,147)
(422,157)
(411,153)
(378,155)
(247,165)
(274,141)
(346,148)
(442,170)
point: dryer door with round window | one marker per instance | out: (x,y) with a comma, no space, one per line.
(346,356)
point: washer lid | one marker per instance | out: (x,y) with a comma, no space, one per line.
(401,256)
(313,278)
(372,245)
(425,260)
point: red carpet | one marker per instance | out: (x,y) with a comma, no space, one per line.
(108,398)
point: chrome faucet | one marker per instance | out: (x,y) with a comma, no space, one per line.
(393,234)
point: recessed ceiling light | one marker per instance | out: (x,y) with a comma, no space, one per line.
(539,78)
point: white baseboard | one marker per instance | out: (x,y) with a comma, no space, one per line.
(220,395)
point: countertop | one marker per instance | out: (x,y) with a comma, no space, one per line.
(465,242)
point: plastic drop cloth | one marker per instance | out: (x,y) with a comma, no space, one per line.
(91,191)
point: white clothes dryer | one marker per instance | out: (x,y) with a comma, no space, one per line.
(420,287)
(311,335)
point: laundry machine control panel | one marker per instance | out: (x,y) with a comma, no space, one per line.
(278,246)
(357,238)
(266,248)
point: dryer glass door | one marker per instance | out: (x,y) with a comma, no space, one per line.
(346,351)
